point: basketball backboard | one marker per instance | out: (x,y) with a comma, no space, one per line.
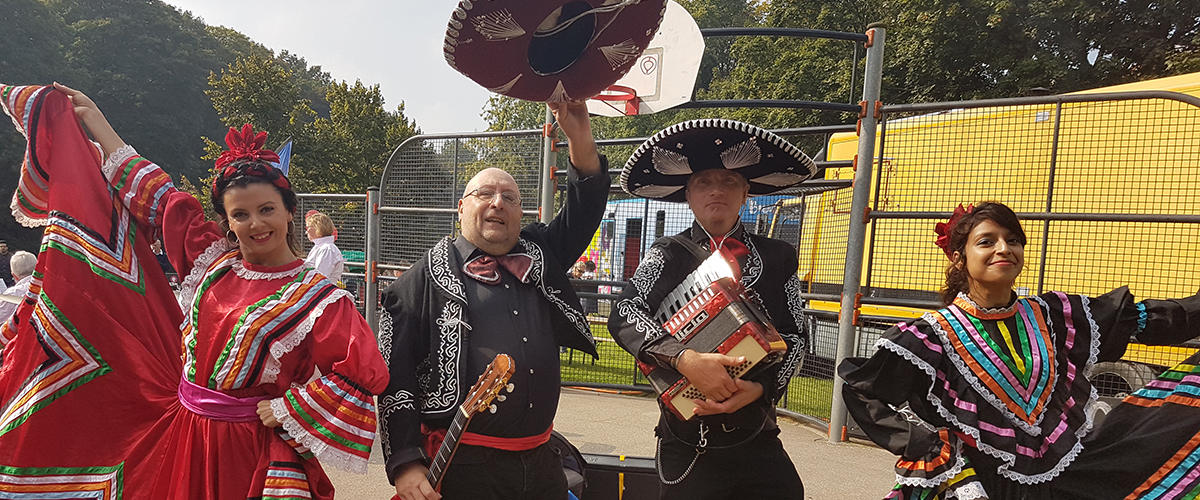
(664,76)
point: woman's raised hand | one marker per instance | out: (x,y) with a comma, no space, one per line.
(82,103)
(93,119)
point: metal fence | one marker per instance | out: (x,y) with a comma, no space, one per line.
(1104,183)
(349,215)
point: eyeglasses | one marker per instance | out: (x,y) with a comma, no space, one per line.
(486,195)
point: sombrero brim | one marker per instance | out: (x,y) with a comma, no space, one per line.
(661,167)
(494,44)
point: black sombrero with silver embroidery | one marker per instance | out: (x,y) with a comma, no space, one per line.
(549,50)
(661,166)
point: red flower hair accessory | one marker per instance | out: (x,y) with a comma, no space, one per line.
(943,229)
(247,145)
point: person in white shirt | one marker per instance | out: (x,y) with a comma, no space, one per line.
(324,256)
(22,264)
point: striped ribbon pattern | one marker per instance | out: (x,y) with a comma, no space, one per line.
(269,321)
(334,418)
(113,260)
(215,270)
(73,363)
(1179,385)
(933,466)
(286,481)
(1179,477)
(82,483)
(31,201)
(141,186)
(1011,354)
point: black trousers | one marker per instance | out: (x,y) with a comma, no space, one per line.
(757,469)
(479,473)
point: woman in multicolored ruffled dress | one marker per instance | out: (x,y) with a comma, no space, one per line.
(278,365)
(987,397)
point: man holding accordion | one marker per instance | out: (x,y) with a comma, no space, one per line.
(683,300)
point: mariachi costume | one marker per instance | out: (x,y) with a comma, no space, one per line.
(995,403)
(445,320)
(735,455)
(127,416)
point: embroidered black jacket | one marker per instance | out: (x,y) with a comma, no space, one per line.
(425,332)
(769,273)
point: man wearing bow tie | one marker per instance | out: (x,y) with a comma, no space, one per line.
(496,288)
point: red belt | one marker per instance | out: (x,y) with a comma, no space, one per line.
(434,438)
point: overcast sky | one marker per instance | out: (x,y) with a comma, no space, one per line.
(394,43)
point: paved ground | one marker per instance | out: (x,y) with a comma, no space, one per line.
(620,424)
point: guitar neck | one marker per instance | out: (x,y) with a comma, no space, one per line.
(438,467)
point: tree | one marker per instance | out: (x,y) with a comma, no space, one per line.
(941,50)
(312,81)
(261,92)
(344,152)
(354,143)
(145,63)
(34,42)
(506,113)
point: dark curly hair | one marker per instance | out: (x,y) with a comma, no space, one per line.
(957,278)
(247,172)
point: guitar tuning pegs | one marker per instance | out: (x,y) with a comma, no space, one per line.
(510,387)
(501,398)
(492,409)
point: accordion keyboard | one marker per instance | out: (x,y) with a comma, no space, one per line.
(712,269)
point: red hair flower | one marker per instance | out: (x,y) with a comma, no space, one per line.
(246,145)
(943,229)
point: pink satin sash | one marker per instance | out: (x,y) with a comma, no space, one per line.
(218,405)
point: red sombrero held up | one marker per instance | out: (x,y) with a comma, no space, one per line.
(549,50)
(660,168)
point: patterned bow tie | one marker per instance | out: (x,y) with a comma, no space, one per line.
(485,268)
(735,247)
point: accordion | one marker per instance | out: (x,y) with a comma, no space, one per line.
(710,312)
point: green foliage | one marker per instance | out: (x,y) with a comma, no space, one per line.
(145,64)
(342,152)
(353,145)
(34,42)
(943,50)
(505,113)
(149,67)
(261,92)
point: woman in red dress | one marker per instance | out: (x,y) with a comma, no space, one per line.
(279,368)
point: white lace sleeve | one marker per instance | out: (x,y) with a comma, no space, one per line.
(114,161)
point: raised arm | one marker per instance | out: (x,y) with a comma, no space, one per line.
(588,183)
(572,118)
(147,191)
(93,120)
(1153,322)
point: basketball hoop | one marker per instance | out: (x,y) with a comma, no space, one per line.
(616,93)
(664,74)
